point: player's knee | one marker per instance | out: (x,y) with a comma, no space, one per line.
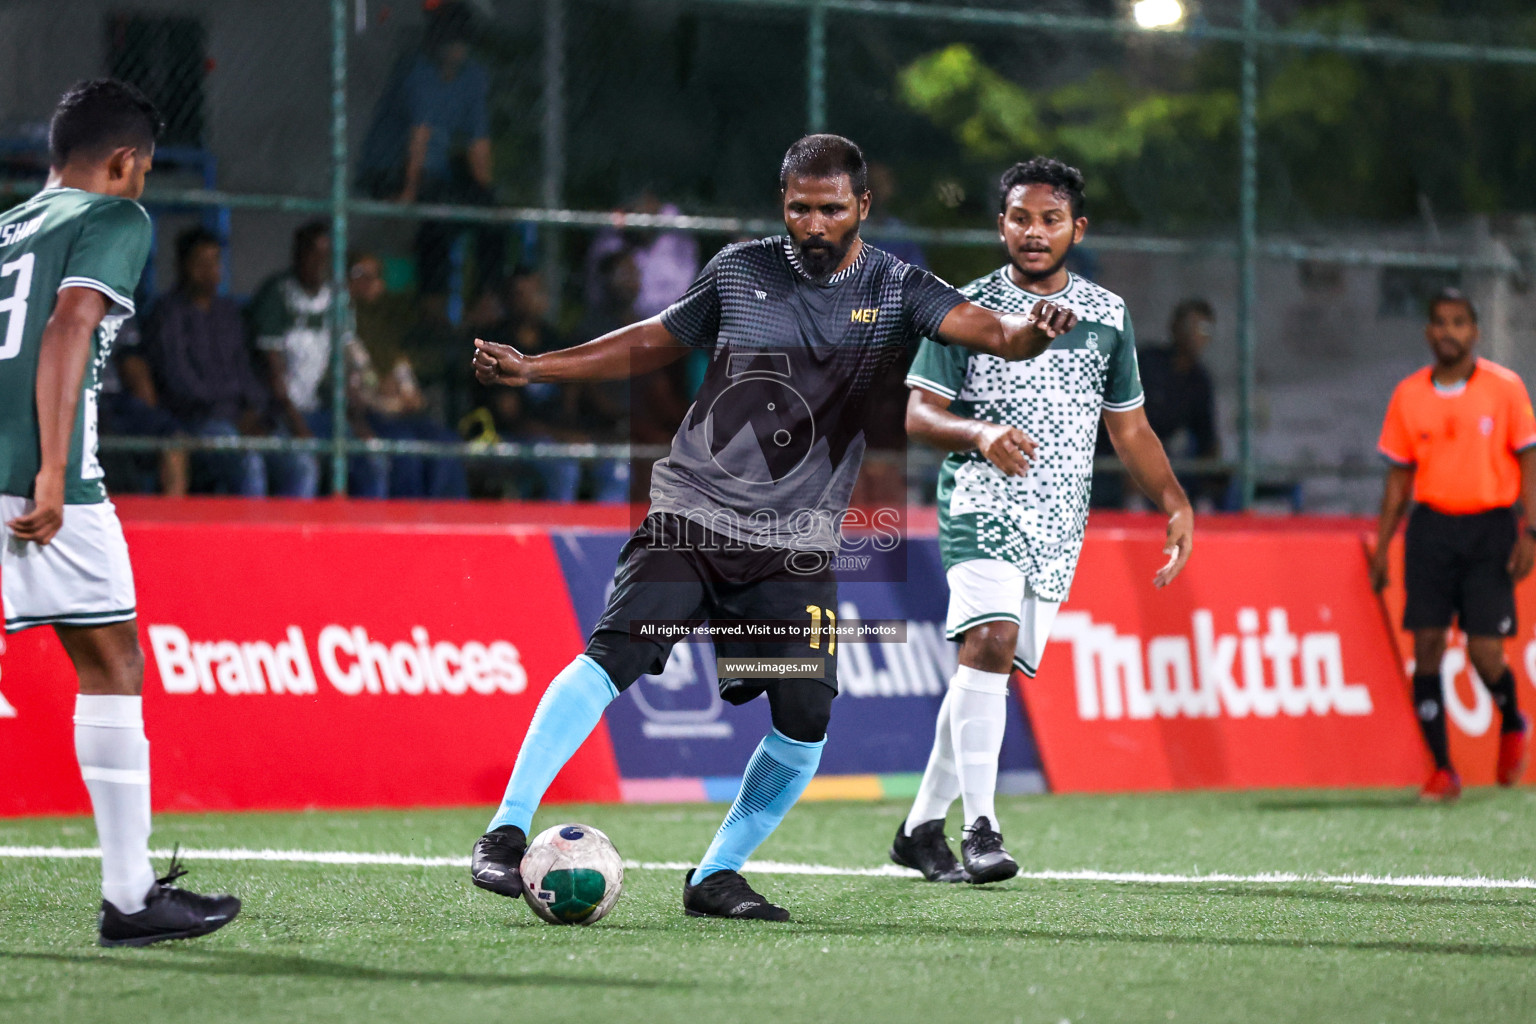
(623,660)
(990,646)
(1428,651)
(801,709)
(1487,656)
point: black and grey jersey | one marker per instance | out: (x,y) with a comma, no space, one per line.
(769,452)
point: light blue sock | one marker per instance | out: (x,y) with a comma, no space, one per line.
(776,776)
(565,717)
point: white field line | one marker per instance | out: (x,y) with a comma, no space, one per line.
(770,867)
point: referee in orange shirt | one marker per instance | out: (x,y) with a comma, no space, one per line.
(1461,437)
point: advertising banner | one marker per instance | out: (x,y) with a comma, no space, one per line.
(1266,664)
(292,664)
(1472,722)
(674,724)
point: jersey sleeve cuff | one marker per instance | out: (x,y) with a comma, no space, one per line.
(1134,403)
(1395,460)
(1526,445)
(914,381)
(123,302)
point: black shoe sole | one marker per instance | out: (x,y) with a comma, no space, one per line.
(1000,873)
(724,917)
(896,859)
(150,940)
(498,892)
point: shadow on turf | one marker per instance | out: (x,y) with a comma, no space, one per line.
(1395,801)
(264,965)
(1236,942)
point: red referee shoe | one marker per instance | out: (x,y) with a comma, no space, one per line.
(1514,751)
(1443,787)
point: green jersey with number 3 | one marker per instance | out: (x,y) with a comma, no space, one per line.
(61,238)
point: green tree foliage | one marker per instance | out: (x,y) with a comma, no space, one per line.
(1340,136)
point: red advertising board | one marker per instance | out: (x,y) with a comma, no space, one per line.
(292,664)
(1266,664)
(1472,722)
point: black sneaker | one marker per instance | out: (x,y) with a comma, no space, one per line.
(985,859)
(169,913)
(496,863)
(928,851)
(727,894)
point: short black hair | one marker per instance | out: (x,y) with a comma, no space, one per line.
(1450,295)
(448,22)
(825,156)
(307,234)
(97,116)
(190,239)
(1192,305)
(1064,181)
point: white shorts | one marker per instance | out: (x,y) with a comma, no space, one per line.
(991,590)
(80,578)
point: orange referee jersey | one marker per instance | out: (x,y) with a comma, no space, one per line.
(1462,441)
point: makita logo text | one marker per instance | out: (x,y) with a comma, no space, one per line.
(1208,674)
(349,659)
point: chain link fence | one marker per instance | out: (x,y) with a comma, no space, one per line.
(1310,171)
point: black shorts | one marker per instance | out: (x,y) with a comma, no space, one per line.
(675,569)
(1457,568)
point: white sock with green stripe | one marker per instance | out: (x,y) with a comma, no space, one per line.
(114,762)
(977,719)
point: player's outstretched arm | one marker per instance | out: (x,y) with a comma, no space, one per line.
(61,357)
(1010,336)
(929,419)
(1138,447)
(627,352)
(1394,502)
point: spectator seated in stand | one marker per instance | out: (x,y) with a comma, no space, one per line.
(389,394)
(289,317)
(202,371)
(538,412)
(130,407)
(1181,400)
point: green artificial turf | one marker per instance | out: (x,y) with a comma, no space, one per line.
(420,945)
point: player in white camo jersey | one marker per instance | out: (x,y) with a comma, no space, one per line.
(1013,498)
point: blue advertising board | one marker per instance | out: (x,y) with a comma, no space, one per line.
(675,724)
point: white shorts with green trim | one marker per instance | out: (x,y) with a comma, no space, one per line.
(80,578)
(992,590)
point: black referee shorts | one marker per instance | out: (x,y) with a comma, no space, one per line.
(1456,567)
(676,569)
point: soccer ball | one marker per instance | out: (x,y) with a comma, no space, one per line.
(572,874)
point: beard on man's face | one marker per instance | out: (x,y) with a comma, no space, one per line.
(820,256)
(1050,271)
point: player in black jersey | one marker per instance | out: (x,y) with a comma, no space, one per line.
(745,510)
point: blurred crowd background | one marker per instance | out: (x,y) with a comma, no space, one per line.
(539,172)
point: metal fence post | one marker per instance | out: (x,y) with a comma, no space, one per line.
(338,324)
(816,68)
(1247,251)
(552,191)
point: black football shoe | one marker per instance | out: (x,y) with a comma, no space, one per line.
(727,894)
(169,913)
(985,859)
(496,863)
(928,851)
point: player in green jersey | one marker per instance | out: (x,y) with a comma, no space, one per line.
(70,259)
(1013,497)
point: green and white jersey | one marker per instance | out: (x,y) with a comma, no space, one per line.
(287,319)
(1035,521)
(61,238)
